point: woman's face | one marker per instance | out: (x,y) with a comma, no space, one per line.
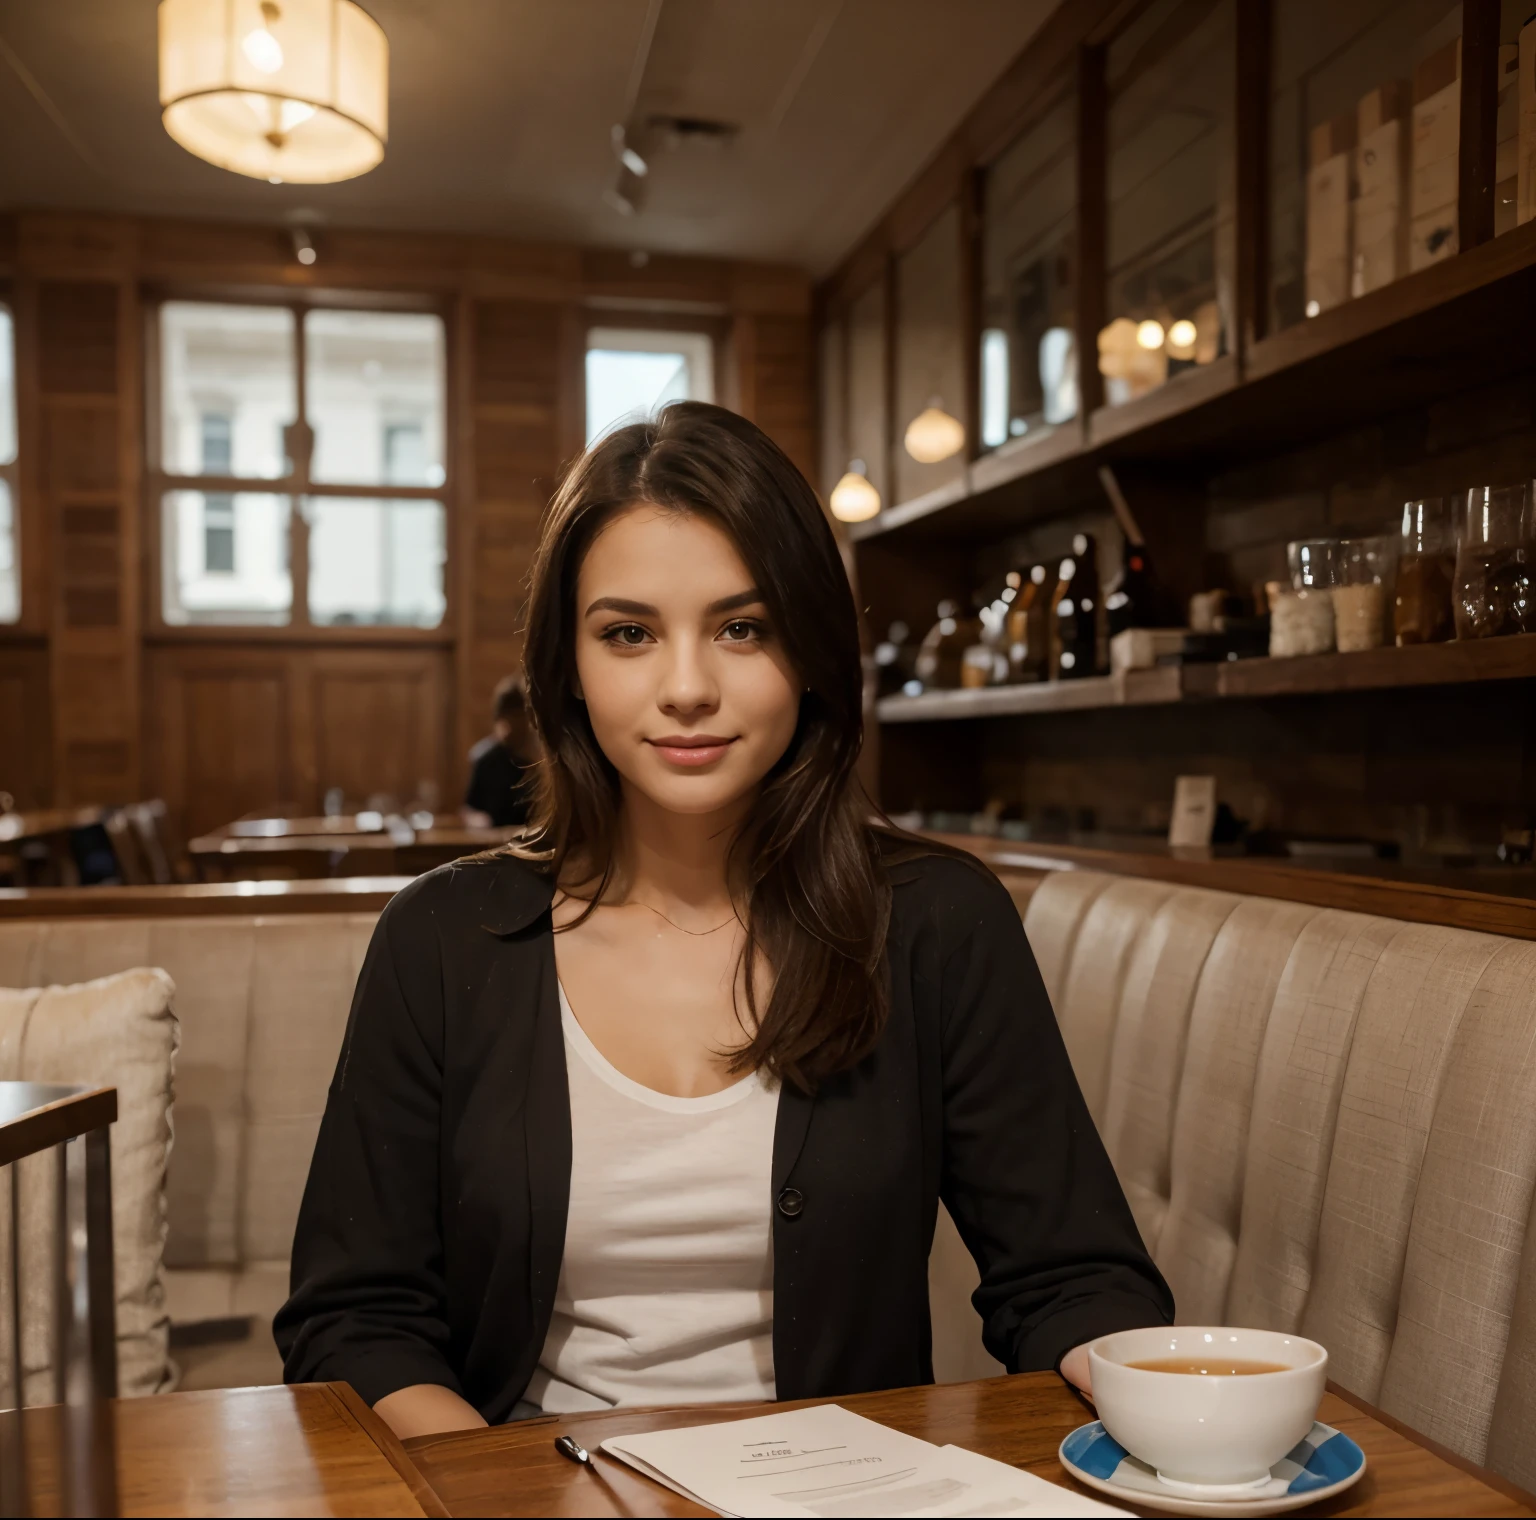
(690,694)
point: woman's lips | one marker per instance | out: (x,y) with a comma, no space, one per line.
(693,750)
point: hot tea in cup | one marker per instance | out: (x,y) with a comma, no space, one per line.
(1207,1406)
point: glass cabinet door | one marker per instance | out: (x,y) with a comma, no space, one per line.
(1364,140)
(1170,258)
(1028,352)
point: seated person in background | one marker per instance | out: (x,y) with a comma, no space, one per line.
(657,1105)
(501,764)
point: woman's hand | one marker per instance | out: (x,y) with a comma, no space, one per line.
(1075,1369)
(426,1409)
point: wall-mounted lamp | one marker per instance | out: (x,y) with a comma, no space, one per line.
(853,498)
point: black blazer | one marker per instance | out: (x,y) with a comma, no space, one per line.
(433,1223)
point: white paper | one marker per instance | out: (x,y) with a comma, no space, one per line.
(829,1464)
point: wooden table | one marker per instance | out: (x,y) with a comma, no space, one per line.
(310,1450)
(319,1450)
(515,1470)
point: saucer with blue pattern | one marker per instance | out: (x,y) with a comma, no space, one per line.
(1325,1462)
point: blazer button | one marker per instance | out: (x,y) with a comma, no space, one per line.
(791,1202)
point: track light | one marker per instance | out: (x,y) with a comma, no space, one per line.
(303,246)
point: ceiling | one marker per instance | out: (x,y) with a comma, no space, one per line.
(500,113)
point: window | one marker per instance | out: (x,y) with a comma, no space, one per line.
(1172,236)
(218,506)
(632,374)
(304,443)
(10,558)
(1028,342)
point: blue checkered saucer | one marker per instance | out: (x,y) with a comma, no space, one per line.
(1324,1463)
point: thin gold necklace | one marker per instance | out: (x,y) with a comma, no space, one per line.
(692,933)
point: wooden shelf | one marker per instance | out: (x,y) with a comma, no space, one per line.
(1445,329)
(1510,659)
(1131,688)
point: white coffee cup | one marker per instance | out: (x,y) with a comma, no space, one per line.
(1212,1429)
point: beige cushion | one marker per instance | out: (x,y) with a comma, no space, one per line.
(1324,1121)
(118,1031)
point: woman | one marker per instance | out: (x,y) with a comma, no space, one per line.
(662,1110)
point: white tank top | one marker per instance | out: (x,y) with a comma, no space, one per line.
(666,1286)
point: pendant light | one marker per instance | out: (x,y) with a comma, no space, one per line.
(853,498)
(933,434)
(281,90)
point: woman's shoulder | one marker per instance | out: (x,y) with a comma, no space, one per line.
(498,892)
(948,889)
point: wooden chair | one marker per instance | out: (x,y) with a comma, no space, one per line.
(36,1117)
(138,831)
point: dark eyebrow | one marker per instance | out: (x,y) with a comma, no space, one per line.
(619,604)
(644,609)
(731,603)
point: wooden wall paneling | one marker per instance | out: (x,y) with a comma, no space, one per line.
(88,389)
(784,386)
(868,425)
(380,723)
(222,741)
(26,723)
(1479,113)
(1092,223)
(1255,30)
(517,373)
(832,395)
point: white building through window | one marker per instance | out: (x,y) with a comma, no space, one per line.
(632,373)
(361,474)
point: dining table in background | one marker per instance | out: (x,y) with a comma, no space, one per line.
(351,845)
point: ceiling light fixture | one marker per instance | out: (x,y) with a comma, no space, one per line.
(853,498)
(934,435)
(281,90)
(303,246)
(1149,334)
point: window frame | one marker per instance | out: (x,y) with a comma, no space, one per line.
(298,485)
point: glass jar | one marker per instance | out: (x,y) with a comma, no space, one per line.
(1495,586)
(1364,571)
(1301,619)
(1426,572)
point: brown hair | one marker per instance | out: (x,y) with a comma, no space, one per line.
(807,861)
(507,702)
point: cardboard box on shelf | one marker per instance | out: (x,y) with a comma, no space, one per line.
(1432,232)
(1379,211)
(1329,183)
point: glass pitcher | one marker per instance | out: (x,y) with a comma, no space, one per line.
(1495,588)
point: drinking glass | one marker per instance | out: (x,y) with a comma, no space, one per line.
(1364,569)
(1426,572)
(1495,587)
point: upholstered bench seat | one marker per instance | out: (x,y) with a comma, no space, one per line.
(1325,1122)
(263,1003)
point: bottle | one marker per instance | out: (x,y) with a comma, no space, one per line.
(1075,615)
(895,657)
(941,657)
(1028,628)
(1135,598)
